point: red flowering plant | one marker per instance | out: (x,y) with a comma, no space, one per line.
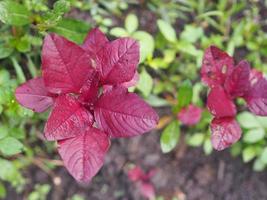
(186,114)
(143,181)
(228,81)
(86,86)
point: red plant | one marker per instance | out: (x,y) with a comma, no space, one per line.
(146,188)
(84,115)
(190,115)
(227,82)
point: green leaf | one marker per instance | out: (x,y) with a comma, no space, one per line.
(18,69)
(195,140)
(77,197)
(248,120)
(8,172)
(249,153)
(61,6)
(4,77)
(118,32)
(72,29)
(156,101)
(40,192)
(147,44)
(170,137)
(131,23)
(5,50)
(254,135)
(158,63)
(23,45)
(192,33)
(258,165)
(18,133)
(10,146)
(207,146)
(145,83)
(169,55)
(3,131)
(2,191)
(167,30)
(13,13)
(236,149)
(262,121)
(185,94)
(263,156)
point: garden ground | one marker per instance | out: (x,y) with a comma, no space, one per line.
(185,173)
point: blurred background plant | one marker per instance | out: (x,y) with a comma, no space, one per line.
(173,35)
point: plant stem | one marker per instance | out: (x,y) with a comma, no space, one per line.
(18,70)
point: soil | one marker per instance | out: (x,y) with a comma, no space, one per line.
(185,173)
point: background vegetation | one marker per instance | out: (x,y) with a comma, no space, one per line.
(173,35)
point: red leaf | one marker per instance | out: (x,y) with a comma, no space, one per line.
(216,66)
(190,115)
(128,84)
(237,84)
(94,41)
(132,82)
(65,65)
(219,104)
(67,119)
(136,174)
(119,60)
(147,190)
(123,114)
(34,95)
(256,98)
(225,132)
(89,91)
(254,76)
(84,154)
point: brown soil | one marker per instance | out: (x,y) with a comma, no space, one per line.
(185,173)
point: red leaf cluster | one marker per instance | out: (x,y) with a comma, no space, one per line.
(227,82)
(86,86)
(190,115)
(145,186)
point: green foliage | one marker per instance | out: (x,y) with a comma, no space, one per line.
(185,94)
(170,137)
(40,192)
(72,29)
(145,39)
(145,83)
(13,13)
(167,30)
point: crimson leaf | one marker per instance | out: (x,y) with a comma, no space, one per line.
(132,82)
(190,115)
(216,66)
(147,189)
(225,132)
(136,174)
(118,61)
(84,154)
(237,84)
(123,114)
(256,98)
(254,76)
(94,41)
(219,104)
(127,84)
(89,91)
(67,119)
(65,65)
(34,95)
